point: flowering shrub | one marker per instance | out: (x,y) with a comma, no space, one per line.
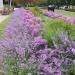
(35,10)
(66,18)
(53,26)
(26,53)
(19,34)
(26,19)
(55,60)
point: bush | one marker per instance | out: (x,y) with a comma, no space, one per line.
(53,61)
(28,54)
(53,26)
(35,10)
(16,48)
(53,15)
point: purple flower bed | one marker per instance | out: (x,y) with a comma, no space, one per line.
(26,49)
(65,18)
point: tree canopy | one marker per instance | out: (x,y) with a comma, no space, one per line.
(48,2)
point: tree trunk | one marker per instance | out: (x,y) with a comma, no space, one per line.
(10,2)
(72,7)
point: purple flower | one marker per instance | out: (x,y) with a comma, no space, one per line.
(20,51)
(73,50)
(29,50)
(39,41)
(65,18)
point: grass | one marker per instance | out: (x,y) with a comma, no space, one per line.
(53,27)
(65,13)
(3,24)
(35,10)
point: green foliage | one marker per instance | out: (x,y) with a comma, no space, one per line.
(53,26)
(12,70)
(60,2)
(27,70)
(10,61)
(16,70)
(71,70)
(35,10)
(53,1)
(73,2)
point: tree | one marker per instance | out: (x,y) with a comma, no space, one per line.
(26,2)
(73,3)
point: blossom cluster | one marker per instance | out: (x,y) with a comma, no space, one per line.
(71,20)
(24,45)
(19,36)
(24,18)
(54,61)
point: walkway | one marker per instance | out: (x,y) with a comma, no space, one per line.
(3,17)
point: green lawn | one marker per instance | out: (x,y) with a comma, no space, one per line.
(65,13)
(3,24)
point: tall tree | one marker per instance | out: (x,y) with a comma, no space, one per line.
(27,1)
(73,3)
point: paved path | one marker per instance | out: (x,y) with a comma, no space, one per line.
(3,17)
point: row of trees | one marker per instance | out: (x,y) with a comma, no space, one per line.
(61,2)
(26,2)
(47,2)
